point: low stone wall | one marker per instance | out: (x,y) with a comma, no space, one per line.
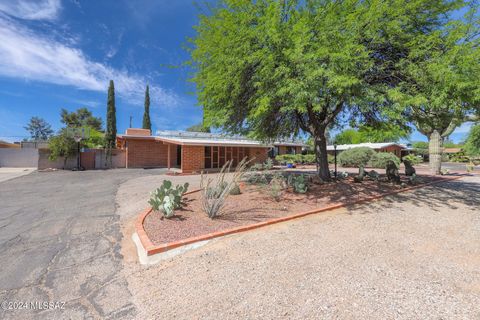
(18,158)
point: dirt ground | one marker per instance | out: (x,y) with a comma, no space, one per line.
(415,255)
(256,204)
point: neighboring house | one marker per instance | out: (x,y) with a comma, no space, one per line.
(5,144)
(35,144)
(391,147)
(452,151)
(188,151)
(286,147)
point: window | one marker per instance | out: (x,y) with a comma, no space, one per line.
(208,157)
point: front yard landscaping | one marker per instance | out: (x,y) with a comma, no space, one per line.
(263,198)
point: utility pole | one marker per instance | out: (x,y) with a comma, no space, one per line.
(131,121)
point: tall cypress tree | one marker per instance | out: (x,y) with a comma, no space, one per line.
(146,113)
(111,132)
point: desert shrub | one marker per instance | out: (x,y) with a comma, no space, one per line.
(296,158)
(470,167)
(380,159)
(276,187)
(256,178)
(235,190)
(257,167)
(309,158)
(268,165)
(166,199)
(215,191)
(459,157)
(355,157)
(414,160)
(298,182)
(284,158)
(331,158)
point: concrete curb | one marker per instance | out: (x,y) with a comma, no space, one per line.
(150,249)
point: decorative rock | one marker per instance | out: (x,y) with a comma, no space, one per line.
(392,172)
(409,169)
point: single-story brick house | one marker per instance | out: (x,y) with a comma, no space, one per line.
(188,151)
(286,147)
(391,147)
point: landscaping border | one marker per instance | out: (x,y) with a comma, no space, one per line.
(152,249)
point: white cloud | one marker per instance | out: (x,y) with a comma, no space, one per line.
(32,10)
(27,55)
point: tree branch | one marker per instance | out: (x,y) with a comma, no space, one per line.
(451,127)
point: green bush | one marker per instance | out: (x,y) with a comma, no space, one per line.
(296,158)
(380,159)
(284,158)
(414,160)
(331,158)
(355,157)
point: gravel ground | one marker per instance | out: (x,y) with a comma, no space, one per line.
(411,256)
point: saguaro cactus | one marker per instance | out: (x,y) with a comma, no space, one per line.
(435,152)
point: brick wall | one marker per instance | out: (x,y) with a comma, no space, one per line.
(193,158)
(260,154)
(396,150)
(146,154)
(138,132)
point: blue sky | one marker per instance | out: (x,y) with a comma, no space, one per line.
(62,53)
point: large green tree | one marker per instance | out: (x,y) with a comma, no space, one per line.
(381,132)
(111,131)
(277,68)
(472,143)
(80,118)
(198,128)
(39,129)
(435,62)
(146,113)
(62,146)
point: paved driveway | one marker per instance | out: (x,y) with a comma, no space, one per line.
(60,241)
(11,173)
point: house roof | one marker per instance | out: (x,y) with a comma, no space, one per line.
(374,146)
(208,139)
(452,150)
(6,144)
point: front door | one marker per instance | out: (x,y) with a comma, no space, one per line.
(179,155)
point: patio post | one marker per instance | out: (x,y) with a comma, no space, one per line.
(168,157)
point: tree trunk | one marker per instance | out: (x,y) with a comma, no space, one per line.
(435,142)
(321,156)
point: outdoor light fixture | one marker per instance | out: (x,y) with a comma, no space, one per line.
(335,155)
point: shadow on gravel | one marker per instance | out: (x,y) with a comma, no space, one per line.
(444,194)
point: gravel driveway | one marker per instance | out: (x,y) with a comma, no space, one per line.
(415,255)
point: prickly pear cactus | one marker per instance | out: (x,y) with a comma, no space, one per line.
(166,199)
(300,184)
(168,207)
